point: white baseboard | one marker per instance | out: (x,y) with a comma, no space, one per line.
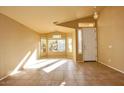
(4,77)
(112,67)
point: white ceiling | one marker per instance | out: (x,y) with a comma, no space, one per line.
(41,18)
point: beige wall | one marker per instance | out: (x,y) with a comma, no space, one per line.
(111,33)
(74,45)
(16,41)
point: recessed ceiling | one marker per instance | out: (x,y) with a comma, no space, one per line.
(41,18)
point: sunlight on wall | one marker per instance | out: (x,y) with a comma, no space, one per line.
(32,59)
(41,63)
(16,70)
(54,66)
(29,59)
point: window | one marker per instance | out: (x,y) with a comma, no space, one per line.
(86,24)
(56,36)
(79,41)
(56,45)
(43,45)
(69,44)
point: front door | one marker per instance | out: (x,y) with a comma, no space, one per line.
(89,44)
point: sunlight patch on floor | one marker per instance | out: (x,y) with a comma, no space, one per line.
(54,66)
(63,83)
(40,64)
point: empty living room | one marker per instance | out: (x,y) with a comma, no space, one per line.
(61,46)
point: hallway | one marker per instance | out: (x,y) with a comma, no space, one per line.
(64,72)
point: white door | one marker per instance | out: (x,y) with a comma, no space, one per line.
(89,44)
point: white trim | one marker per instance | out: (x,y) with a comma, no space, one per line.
(112,67)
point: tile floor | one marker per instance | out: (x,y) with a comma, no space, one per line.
(64,72)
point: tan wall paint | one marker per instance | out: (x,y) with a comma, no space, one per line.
(111,32)
(16,41)
(74,45)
